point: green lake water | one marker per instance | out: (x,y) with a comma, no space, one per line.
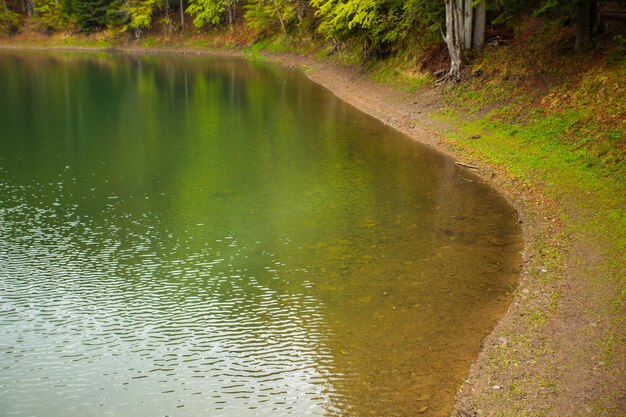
(203,236)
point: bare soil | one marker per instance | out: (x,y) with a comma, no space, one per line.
(560,350)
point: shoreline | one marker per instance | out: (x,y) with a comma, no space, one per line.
(547,277)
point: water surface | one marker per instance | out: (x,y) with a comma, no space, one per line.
(213,237)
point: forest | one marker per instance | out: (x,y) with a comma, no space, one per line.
(380,27)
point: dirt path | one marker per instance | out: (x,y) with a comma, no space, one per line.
(560,350)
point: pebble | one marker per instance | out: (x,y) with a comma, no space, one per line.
(496,387)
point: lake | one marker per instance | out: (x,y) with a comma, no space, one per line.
(207,236)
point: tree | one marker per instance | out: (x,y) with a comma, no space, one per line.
(182,16)
(587,21)
(49,16)
(377,23)
(265,14)
(584,13)
(140,14)
(480,24)
(206,11)
(465,30)
(9,20)
(89,15)
(453,36)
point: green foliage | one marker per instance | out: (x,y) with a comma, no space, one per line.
(377,19)
(379,23)
(141,13)
(266,15)
(10,21)
(428,14)
(88,15)
(206,12)
(49,15)
(259,16)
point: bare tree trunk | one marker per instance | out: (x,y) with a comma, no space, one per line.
(182,16)
(167,22)
(280,18)
(583,23)
(587,22)
(30,7)
(300,7)
(480,22)
(453,37)
(467,24)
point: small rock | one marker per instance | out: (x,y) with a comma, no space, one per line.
(422,410)
(503,340)
(525,291)
(496,387)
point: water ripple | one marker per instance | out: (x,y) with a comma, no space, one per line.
(93,308)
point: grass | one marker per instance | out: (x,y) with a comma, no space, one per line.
(399,77)
(554,122)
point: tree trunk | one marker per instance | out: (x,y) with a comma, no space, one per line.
(595,17)
(480,22)
(587,22)
(182,16)
(280,18)
(30,8)
(167,23)
(467,24)
(300,10)
(453,37)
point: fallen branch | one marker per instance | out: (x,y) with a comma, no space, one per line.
(468,166)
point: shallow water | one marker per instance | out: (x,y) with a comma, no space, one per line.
(193,236)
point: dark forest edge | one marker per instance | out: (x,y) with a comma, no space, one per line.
(380,27)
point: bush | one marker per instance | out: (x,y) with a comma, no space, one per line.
(48,16)
(10,22)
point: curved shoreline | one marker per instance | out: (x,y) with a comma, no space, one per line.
(547,341)
(548,278)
